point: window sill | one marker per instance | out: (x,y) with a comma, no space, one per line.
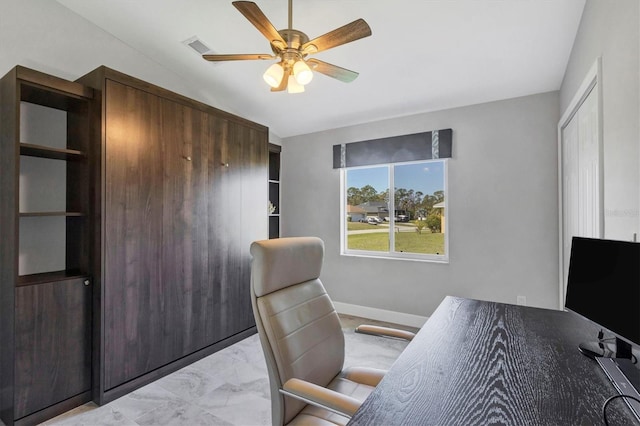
(386,256)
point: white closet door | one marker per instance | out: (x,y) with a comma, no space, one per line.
(581,203)
(570,191)
(588,164)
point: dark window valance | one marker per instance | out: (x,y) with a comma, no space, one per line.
(419,146)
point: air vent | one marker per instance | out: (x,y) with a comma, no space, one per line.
(197,45)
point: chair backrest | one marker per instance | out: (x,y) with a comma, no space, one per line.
(298,326)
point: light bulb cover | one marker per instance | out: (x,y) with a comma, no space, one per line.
(302,72)
(293,86)
(273,75)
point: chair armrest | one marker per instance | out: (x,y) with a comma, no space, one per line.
(385,332)
(321,397)
(364,375)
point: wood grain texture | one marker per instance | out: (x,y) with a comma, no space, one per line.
(133,234)
(183,187)
(254,200)
(478,363)
(53,344)
(95,78)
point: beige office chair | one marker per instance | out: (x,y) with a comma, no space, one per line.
(302,338)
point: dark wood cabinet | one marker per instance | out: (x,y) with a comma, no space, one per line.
(182,203)
(125,224)
(45,254)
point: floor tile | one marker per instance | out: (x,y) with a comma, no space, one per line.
(230,387)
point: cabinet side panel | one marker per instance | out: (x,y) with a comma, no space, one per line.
(79,188)
(8,264)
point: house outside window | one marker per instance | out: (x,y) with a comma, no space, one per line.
(396,210)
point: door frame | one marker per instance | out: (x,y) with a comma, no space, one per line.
(591,82)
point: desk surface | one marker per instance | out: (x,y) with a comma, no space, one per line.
(479,363)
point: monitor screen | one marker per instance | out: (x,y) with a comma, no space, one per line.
(604,285)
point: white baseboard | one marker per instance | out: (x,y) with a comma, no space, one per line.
(380,314)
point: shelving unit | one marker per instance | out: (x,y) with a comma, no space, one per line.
(45,221)
(274,190)
(54,178)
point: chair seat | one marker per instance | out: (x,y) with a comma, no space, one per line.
(315,416)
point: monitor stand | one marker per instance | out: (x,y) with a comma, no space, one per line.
(600,349)
(596,350)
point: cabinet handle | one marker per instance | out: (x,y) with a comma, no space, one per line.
(187,158)
(225,164)
(87,282)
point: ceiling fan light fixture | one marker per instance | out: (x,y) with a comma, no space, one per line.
(293,86)
(302,72)
(273,75)
(291,46)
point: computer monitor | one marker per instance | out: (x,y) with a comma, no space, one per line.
(604,286)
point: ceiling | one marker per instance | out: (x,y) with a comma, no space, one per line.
(424,55)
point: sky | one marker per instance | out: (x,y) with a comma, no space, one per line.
(425,177)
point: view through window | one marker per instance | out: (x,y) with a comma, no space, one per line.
(408,220)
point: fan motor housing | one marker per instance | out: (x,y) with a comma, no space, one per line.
(294,39)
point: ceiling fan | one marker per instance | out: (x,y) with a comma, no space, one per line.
(291,47)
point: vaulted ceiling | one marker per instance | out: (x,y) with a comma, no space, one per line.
(424,55)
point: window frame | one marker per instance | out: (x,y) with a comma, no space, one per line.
(392,254)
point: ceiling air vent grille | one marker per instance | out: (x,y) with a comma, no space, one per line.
(197,46)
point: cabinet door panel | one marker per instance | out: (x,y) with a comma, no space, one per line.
(253,199)
(133,208)
(205,207)
(224,204)
(188,287)
(185,196)
(53,344)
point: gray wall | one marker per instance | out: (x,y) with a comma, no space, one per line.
(609,29)
(502,205)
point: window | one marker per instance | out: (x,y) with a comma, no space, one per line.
(395,210)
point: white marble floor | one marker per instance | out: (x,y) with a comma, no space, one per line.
(230,387)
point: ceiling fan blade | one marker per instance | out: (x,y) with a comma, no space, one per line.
(240,57)
(353,31)
(283,83)
(331,70)
(252,12)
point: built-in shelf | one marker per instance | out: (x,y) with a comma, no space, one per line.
(42,214)
(49,152)
(48,277)
(273,184)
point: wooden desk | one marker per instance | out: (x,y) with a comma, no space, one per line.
(480,363)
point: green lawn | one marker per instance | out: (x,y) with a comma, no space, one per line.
(357,226)
(411,242)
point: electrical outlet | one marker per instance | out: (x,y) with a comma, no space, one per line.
(522,300)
